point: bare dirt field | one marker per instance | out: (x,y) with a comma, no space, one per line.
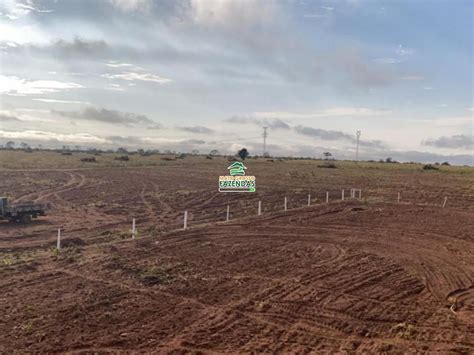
(366,276)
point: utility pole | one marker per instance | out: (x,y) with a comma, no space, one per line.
(265,135)
(357,147)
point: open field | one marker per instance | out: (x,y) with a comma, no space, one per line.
(369,275)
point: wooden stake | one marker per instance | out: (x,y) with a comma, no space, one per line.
(228,213)
(398,198)
(185,223)
(342,195)
(444,203)
(286,203)
(327,197)
(259,208)
(309,199)
(58,245)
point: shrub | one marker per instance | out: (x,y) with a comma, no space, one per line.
(429,167)
(123,158)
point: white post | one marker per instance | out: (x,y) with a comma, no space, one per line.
(398,198)
(445,200)
(360,194)
(309,199)
(342,195)
(286,203)
(259,208)
(134,230)
(352,193)
(185,224)
(327,196)
(228,213)
(58,245)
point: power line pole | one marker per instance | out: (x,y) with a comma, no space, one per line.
(357,147)
(265,135)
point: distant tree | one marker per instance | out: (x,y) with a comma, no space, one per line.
(214,152)
(445,163)
(24,146)
(388,160)
(141,151)
(10,145)
(327,155)
(195,152)
(122,150)
(243,153)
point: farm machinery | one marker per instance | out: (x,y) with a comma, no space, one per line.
(24,212)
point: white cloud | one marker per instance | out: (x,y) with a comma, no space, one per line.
(115,87)
(132,5)
(133,76)
(403,52)
(12,85)
(402,55)
(114,64)
(222,13)
(34,135)
(330,112)
(62,101)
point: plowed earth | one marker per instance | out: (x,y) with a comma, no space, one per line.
(366,275)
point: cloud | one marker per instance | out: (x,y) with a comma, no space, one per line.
(330,112)
(80,47)
(132,5)
(196,129)
(12,85)
(134,76)
(452,142)
(108,116)
(35,136)
(61,101)
(114,64)
(193,141)
(8,118)
(273,123)
(330,135)
(13,9)
(322,133)
(401,55)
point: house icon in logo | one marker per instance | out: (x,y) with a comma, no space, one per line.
(236,168)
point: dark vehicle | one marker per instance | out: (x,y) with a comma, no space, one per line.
(24,212)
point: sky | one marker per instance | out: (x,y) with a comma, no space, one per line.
(186,75)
